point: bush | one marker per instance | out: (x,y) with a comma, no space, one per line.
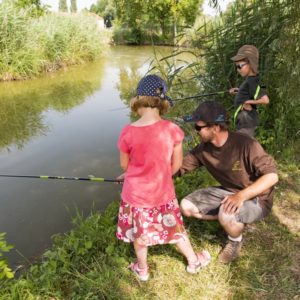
(5,271)
(146,35)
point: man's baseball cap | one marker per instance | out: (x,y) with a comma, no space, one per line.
(210,112)
(153,85)
(250,53)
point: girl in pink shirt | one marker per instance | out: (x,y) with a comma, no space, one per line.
(150,153)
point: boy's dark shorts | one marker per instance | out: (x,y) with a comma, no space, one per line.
(208,202)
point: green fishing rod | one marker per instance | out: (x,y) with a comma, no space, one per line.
(97,179)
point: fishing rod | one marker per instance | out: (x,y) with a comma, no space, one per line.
(209,94)
(201,95)
(185,98)
(62,177)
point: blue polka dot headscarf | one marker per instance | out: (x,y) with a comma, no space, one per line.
(153,85)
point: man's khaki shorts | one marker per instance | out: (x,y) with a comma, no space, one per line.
(208,202)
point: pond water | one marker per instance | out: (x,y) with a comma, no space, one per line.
(64,124)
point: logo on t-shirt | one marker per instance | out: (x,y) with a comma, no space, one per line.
(237,166)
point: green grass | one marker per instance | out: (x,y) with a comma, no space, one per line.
(90,263)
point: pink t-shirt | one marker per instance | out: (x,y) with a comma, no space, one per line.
(148,181)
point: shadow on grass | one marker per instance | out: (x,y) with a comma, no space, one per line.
(269,267)
(269,264)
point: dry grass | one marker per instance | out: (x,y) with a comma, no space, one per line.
(287,202)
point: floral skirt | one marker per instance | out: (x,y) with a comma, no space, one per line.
(151,226)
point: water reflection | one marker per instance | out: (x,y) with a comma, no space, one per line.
(173,69)
(22,103)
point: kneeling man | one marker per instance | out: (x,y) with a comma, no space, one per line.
(247,175)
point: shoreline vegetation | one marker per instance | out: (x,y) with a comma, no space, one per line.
(33,45)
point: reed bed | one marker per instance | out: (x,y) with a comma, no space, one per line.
(273,26)
(29,46)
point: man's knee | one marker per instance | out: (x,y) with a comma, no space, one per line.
(188,208)
(226,219)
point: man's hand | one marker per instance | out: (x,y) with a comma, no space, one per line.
(232,203)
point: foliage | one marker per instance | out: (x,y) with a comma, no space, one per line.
(278,40)
(67,40)
(104,8)
(35,6)
(29,46)
(139,22)
(99,7)
(15,47)
(69,268)
(5,271)
(248,23)
(90,263)
(62,6)
(73,8)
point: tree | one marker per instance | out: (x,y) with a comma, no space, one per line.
(36,7)
(73,6)
(167,13)
(160,12)
(187,11)
(131,14)
(105,9)
(63,6)
(100,7)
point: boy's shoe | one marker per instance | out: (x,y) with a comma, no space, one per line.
(142,274)
(204,259)
(230,252)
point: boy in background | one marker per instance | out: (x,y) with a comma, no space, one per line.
(249,94)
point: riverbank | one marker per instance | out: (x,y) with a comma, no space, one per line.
(89,262)
(33,45)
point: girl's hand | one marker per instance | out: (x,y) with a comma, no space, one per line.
(121,178)
(233,91)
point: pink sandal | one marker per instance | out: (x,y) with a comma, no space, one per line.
(142,274)
(204,259)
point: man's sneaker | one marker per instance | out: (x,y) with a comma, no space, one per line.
(230,252)
(204,259)
(142,274)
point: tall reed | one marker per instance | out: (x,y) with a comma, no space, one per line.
(29,45)
(17,58)
(278,39)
